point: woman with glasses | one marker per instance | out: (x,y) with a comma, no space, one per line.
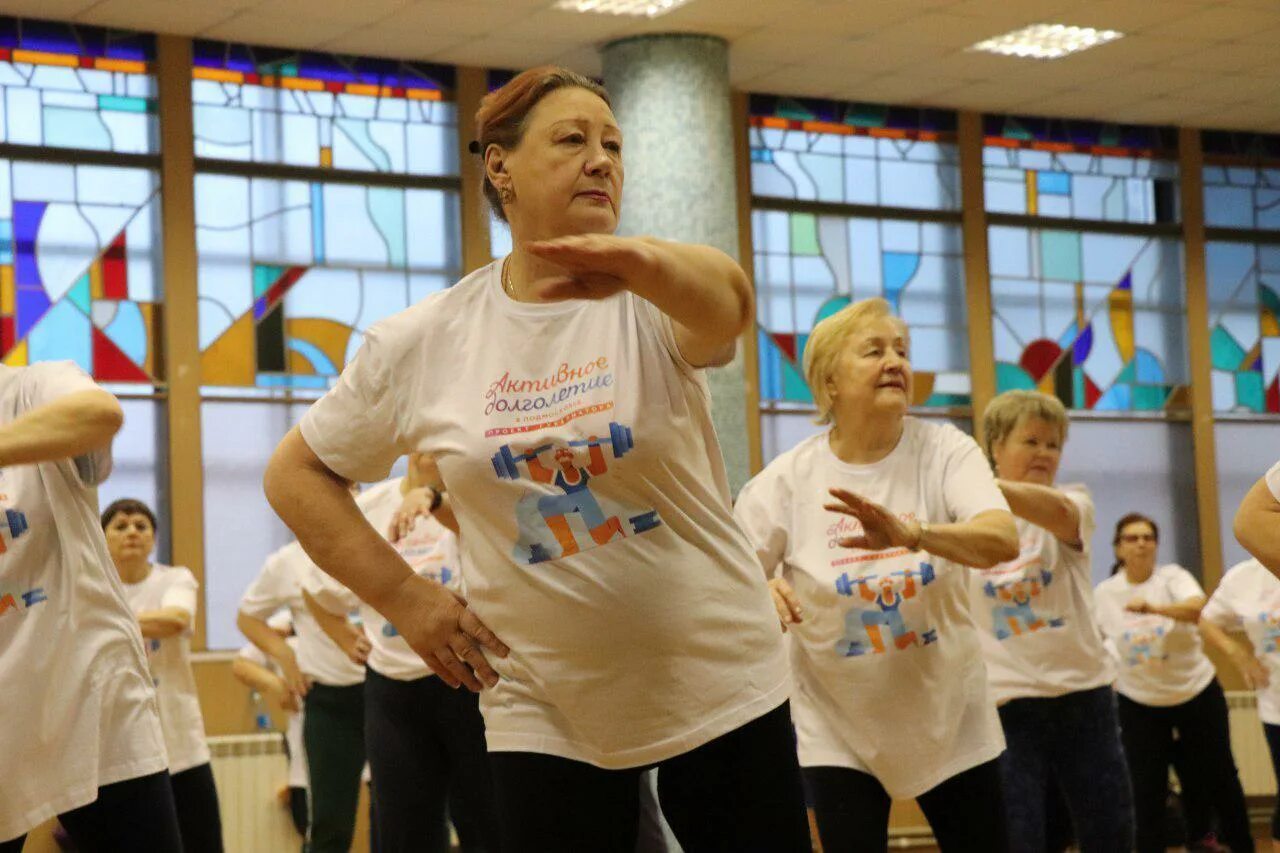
(1166,685)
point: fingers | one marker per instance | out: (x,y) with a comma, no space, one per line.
(446,675)
(474,658)
(794,612)
(859,542)
(469,623)
(460,671)
(780,606)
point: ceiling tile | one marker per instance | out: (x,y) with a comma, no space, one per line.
(504,53)
(165,16)
(1264,37)
(584,60)
(1218,21)
(799,80)
(1128,16)
(1227,57)
(1228,88)
(769,45)
(1032,10)
(716,14)
(990,96)
(57,10)
(901,89)
(1144,49)
(742,69)
(940,28)
(364,13)
(391,43)
(254,27)
(466,17)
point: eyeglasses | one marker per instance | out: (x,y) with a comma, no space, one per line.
(1134,538)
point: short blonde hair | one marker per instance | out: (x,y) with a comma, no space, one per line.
(828,338)
(1011,408)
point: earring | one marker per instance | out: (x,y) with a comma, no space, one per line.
(507,195)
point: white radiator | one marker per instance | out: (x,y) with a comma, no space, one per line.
(250,771)
(1249,745)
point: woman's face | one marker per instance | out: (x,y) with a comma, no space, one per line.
(566,173)
(1030,453)
(130,537)
(873,372)
(1137,545)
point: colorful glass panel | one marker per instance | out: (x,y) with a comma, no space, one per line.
(291,273)
(1097,320)
(1241,180)
(79,268)
(812,150)
(809,266)
(70,86)
(1244,310)
(321,110)
(1069,169)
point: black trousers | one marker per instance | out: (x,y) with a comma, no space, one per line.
(739,793)
(1205,743)
(136,814)
(196,799)
(333,732)
(426,748)
(966,811)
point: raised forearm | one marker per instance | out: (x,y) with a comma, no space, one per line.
(700,288)
(70,426)
(984,541)
(1181,611)
(1215,636)
(163,623)
(1045,507)
(335,625)
(1257,526)
(316,506)
(259,678)
(265,638)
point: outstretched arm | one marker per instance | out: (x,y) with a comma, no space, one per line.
(165,622)
(70,426)
(1257,525)
(1252,670)
(1044,506)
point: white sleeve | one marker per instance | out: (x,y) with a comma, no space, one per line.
(1273,481)
(759,511)
(182,591)
(1219,610)
(253,654)
(51,380)
(969,487)
(355,429)
(1183,584)
(328,592)
(1080,496)
(270,590)
(661,324)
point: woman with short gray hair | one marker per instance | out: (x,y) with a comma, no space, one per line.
(1048,669)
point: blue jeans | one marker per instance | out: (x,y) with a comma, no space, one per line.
(1073,740)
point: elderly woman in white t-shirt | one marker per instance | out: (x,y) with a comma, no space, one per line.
(561,391)
(1248,600)
(1148,614)
(163,599)
(892,698)
(1049,672)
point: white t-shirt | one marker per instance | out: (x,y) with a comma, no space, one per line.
(430,549)
(293,729)
(1273,480)
(279,584)
(1035,614)
(170,659)
(78,709)
(1161,661)
(1248,598)
(578,448)
(889,672)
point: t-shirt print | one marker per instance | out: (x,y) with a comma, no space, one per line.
(559,514)
(13,526)
(1142,642)
(1013,598)
(876,624)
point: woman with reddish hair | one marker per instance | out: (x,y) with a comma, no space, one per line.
(561,392)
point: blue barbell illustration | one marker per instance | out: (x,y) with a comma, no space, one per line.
(505,462)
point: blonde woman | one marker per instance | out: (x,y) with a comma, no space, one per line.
(1050,674)
(865,532)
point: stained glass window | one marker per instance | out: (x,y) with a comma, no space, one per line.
(1072,169)
(319,110)
(809,266)
(1241,180)
(1244,310)
(291,273)
(79,268)
(1096,319)
(812,150)
(69,86)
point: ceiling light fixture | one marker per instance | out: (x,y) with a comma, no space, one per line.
(637,8)
(1046,41)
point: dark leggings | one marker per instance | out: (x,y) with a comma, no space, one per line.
(1205,741)
(966,812)
(740,792)
(136,814)
(1273,744)
(426,747)
(333,733)
(196,799)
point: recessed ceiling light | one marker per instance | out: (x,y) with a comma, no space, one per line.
(1046,41)
(638,8)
